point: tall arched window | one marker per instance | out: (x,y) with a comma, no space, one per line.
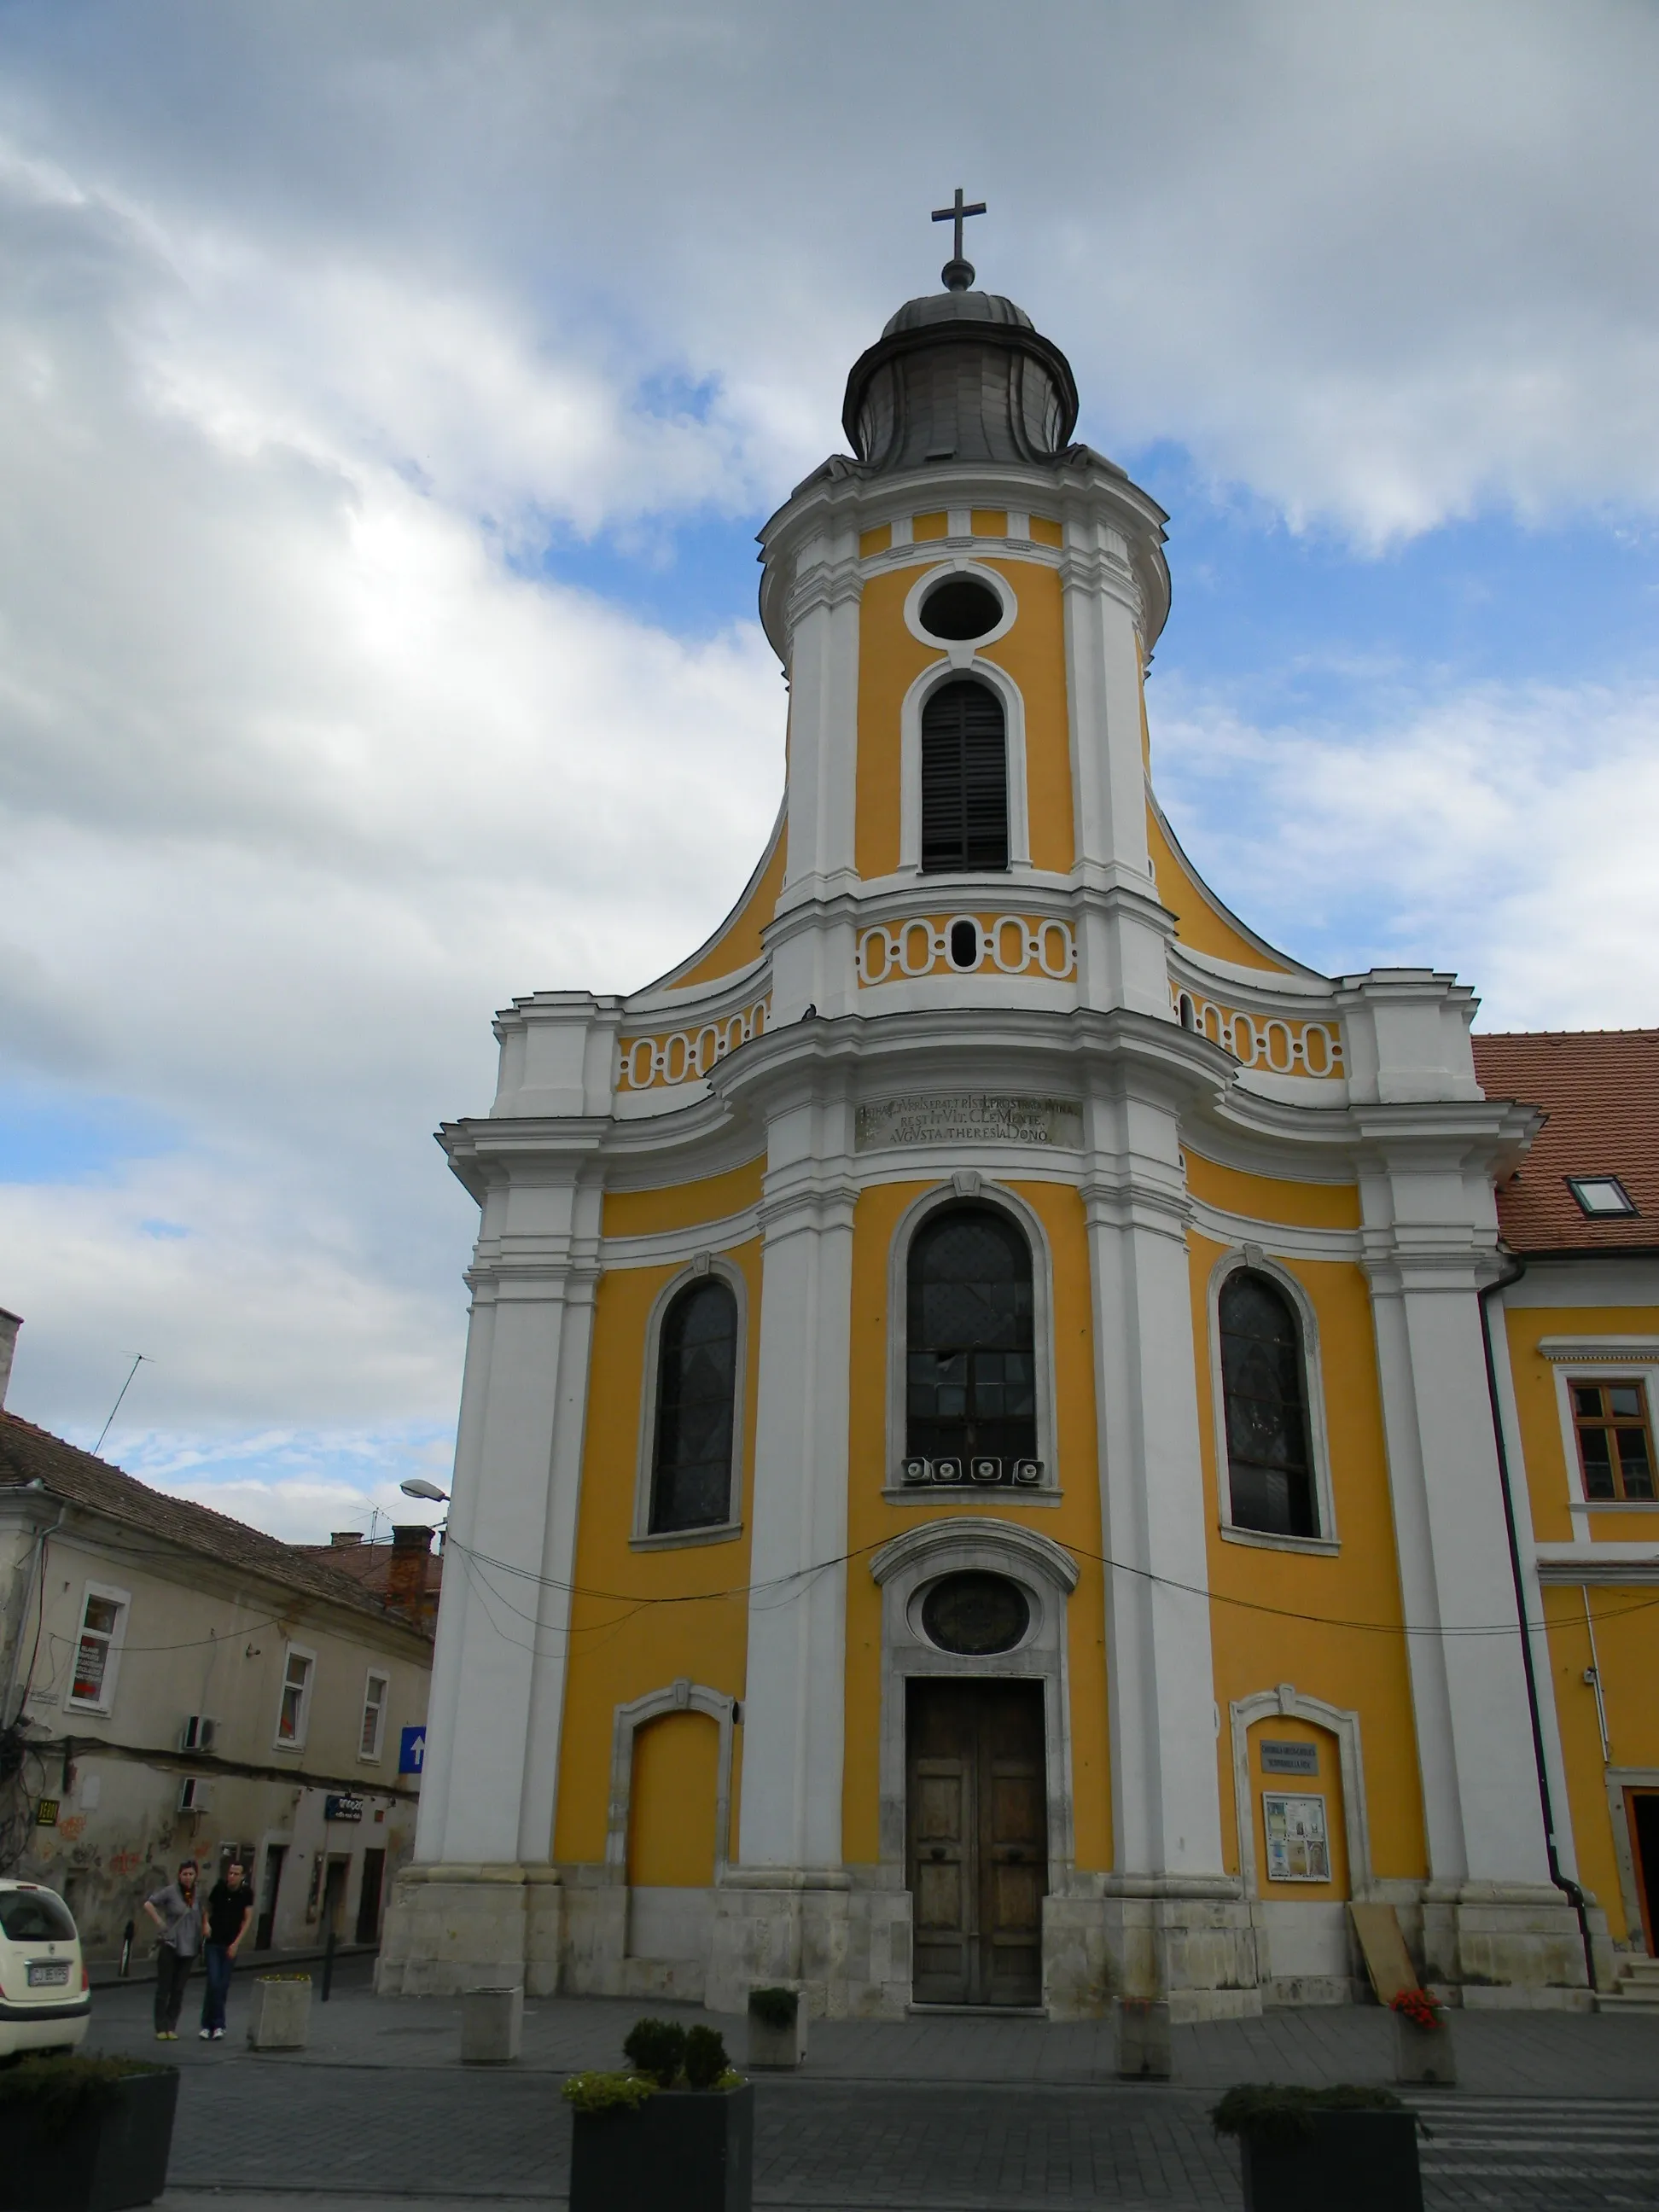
(964,779)
(696,1378)
(1264,1385)
(970,1380)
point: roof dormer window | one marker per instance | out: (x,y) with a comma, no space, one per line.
(1601,1197)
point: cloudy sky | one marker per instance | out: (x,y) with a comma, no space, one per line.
(389,395)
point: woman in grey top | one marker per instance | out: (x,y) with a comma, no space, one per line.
(177,1913)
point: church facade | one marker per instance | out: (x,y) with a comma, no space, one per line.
(977,1479)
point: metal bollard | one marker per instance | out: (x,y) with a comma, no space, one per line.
(328,1966)
(128,1933)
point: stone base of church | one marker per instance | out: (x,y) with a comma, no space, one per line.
(454,1928)
(846,1940)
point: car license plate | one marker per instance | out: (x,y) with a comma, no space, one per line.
(45,1973)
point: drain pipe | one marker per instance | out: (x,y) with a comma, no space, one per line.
(1575,1896)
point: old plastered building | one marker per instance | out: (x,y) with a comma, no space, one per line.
(175,1684)
(977,1480)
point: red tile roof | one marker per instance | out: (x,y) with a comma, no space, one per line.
(369,1566)
(1601,1090)
(29,1455)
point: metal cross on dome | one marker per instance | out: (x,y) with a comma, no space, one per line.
(957,273)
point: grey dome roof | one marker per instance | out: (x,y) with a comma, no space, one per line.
(959,376)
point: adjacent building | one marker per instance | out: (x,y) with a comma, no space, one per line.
(177,1684)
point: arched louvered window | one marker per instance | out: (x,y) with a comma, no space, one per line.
(971,1380)
(696,1381)
(1264,1384)
(964,779)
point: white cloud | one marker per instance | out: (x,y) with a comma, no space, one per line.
(1505,831)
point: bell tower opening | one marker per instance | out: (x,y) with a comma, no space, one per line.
(964,780)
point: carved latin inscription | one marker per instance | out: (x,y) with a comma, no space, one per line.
(977,1117)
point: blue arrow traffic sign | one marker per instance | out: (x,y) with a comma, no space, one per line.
(411,1756)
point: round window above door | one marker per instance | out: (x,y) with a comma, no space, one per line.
(975,1614)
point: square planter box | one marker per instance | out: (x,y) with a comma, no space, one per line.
(280,2019)
(777,2049)
(1424,2054)
(1363,2161)
(116,2157)
(692,2149)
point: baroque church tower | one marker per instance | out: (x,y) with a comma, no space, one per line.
(972,1374)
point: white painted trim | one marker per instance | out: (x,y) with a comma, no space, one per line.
(1047,1574)
(667,1247)
(962,661)
(374,1674)
(1284,1703)
(703,1265)
(302,1729)
(104,1701)
(960,654)
(1631,1351)
(982,1188)
(1594,1368)
(1252,1257)
(683,1696)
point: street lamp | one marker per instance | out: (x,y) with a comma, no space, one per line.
(417,1486)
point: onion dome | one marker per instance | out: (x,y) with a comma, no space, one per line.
(960,376)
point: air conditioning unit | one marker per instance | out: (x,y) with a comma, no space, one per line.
(195,1795)
(198,1732)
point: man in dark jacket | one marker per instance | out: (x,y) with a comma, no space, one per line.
(178,1914)
(229,1906)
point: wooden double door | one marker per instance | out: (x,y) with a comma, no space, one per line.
(978,1843)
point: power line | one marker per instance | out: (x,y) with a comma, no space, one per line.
(139,1359)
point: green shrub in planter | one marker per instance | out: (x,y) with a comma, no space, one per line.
(1303,2150)
(84,2135)
(677,2131)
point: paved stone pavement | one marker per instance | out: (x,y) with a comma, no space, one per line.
(1556,2113)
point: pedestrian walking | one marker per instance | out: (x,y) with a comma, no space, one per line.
(178,1914)
(230,1903)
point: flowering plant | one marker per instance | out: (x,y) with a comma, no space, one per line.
(1418,2007)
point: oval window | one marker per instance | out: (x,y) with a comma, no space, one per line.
(960,608)
(976,1614)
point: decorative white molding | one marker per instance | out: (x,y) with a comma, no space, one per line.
(1337,1720)
(988,1191)
(1252,1257)
(683,1696)
(1042,943)
(939,572)
(1014,717)
(704,1263)
(1608,1351)
(1047,1575)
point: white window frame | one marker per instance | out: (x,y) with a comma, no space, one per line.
(297,1741)
(961,661)
(113,1646)
(644,1537)
(1327,1543)
(1634,1360)
(380,1675)
(968,1187)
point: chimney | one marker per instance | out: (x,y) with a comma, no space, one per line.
(406,1576)
(341,1539)
(10,1325)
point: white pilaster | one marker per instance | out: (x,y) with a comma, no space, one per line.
(824,683)
(794,1701)
(1165,1793)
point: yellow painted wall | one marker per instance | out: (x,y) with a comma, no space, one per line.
(889,660)
(988,522)
(740,939)
(641,1620)
(1045,532)
(1281,1616)
(671,1827)
(1625,1621)
(924,528)
(875,541)
(873,1521)
(1034,654)
(681,1205)
(1267,1198)
(1328,1784)
(1198,923)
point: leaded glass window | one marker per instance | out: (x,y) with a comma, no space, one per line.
(964,779)
(696,1379)
(1263,1379)
(971,1360)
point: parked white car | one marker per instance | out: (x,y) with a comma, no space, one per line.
(45,2004)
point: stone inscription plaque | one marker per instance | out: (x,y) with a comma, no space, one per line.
(971,1117)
